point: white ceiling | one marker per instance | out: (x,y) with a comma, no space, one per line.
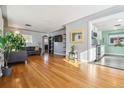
(48,18)
(109,22)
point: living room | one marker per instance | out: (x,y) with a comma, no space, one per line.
(67,54)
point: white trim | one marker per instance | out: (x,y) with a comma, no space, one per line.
(114,16)
(59,54)
(114,54)
(83,61)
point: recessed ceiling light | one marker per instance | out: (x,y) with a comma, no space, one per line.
(119,20)
(117,25)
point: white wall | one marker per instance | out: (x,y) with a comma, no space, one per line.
(1,53)
(59,32)
(36,37)
(88,55)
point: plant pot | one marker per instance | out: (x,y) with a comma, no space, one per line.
(7,71)
(1,74)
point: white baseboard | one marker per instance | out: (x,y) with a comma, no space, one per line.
(114,54)
(59,54)
(82,61)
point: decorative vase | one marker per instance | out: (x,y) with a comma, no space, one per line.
(7,71)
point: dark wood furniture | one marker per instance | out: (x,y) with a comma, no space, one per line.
(51,45)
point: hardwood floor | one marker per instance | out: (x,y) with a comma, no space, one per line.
(52,71)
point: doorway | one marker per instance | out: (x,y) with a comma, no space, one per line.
(45,44)
(107,38)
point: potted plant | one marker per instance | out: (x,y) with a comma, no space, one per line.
(72,48)
(10,42)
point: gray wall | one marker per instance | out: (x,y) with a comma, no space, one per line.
(58,46)
(80,47)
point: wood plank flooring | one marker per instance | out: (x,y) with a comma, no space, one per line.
(53,72)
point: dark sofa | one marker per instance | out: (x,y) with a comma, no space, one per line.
(16,57)
(21,56)
(32,51)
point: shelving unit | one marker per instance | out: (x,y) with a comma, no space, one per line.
(57,44)
(64,43)
(51,45)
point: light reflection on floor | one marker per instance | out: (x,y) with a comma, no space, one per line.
(46,57)
(112,61)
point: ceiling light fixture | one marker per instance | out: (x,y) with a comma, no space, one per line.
(27,25)
(120,20)
(117,25)
(17,32)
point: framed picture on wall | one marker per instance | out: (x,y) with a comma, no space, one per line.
(77,36)
(116,39)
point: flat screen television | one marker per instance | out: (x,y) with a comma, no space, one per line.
(58,38)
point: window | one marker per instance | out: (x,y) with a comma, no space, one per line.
(28,38)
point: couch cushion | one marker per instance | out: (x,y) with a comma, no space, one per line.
(36,48)
(33,50)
